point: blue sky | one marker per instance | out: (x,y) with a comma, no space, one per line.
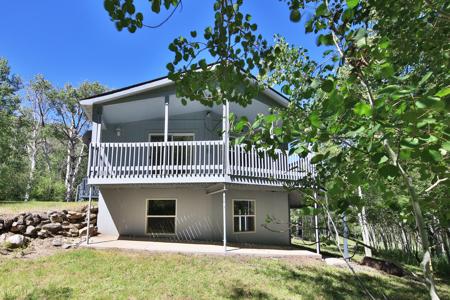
(73,41)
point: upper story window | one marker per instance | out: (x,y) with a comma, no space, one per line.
(244,215)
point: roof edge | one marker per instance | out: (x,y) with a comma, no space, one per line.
(149,85)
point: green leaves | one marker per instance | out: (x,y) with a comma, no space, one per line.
(295,16)
(383,159)
(430,102)
(315,119)
(352,3)
(431,155)
(388,171)
(156,6)
(362,109)
(327,85)
(444,92)
(387,70)
(446,146)
(170,67)
(322,10)
(325,40)
(317,158)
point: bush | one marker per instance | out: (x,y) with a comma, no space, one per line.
(47,188)
(441,267)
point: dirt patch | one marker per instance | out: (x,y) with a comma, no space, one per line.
(41,247)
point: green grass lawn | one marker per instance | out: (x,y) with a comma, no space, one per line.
(16,207)
(99,274)
(331,250)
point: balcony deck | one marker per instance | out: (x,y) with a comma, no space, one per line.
(191,162)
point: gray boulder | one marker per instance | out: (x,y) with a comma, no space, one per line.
(31,231)
(7,223)
(20,220)
(43,234)
(43,216)
(5,236)
(16,227)
(73,216)
(29,220)
(78,225)
(56,218)
(74,232)
(43,222)
(52,227)
(16,241)
(57,242)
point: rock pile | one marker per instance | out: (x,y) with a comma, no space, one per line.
(17,230)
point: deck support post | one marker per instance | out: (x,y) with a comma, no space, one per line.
(226,135)
(96,125)
(316,224)
(89,215)
(166,118)
(224,211)
(96,134)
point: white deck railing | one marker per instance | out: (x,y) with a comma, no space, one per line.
(258,163)
(162,160)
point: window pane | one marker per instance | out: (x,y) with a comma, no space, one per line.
(250,226)
(244,224)
(160,225)
(244,207)
(161,207)
(183,138)
(236,224)
(156,138)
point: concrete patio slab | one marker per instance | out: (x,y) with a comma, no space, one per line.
(112,242)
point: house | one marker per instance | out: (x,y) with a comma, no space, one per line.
(168,170)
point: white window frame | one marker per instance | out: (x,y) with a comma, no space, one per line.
(254,215)
(160,216)
(171,134)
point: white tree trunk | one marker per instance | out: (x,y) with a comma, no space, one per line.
(363,225)
(70,160)
(420,223)
(32,154)
(365,231)
(77,167)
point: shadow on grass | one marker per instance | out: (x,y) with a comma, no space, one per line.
(239,290)
(323,252)
(329,284)
(49,293)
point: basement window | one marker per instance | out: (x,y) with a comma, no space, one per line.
(161,214)
(244,216)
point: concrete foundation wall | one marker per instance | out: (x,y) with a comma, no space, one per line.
(199,216)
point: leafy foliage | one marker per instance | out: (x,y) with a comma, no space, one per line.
(12,138)
(375,112)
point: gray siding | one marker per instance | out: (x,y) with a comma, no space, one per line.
(199,216)
(204,128)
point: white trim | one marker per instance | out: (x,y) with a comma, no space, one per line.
(166,118)
(233,215)
(155,180)
(160,216)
